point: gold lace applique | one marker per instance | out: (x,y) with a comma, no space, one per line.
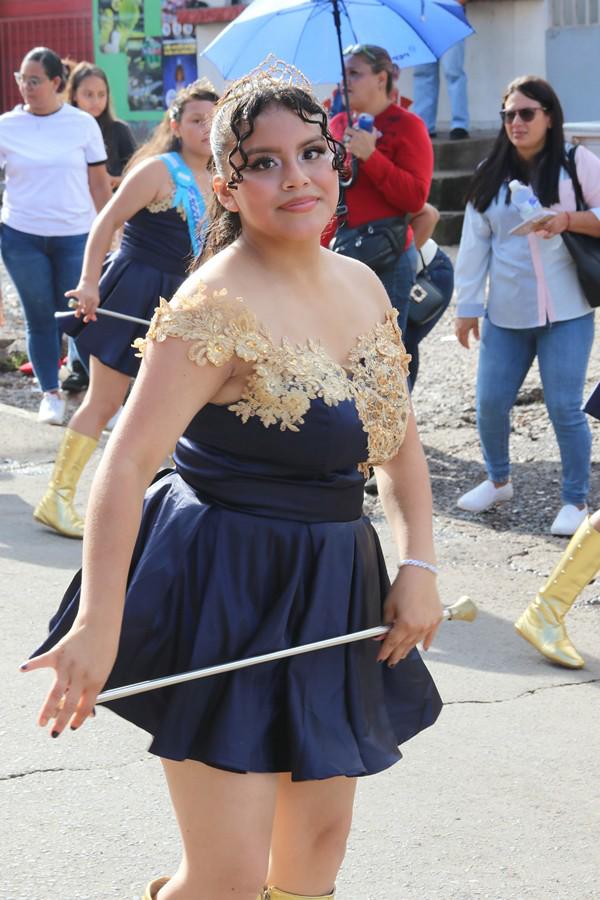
(217,327)
(379,365)
(158,206)
(286,378)
(280,389)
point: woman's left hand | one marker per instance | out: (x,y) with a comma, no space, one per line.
(414,610)
(556,225)
(360,143)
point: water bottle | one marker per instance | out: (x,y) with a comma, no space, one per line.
(365,121)
(528,205)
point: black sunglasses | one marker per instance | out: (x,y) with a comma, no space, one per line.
(526,114)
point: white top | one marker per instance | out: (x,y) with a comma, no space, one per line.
(46,158)
(532,281)
(426,254)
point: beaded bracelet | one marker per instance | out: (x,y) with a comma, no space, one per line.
(420,564)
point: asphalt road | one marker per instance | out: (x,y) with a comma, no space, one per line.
(501,799)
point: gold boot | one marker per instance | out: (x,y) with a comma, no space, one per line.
(56,509)
(542,623)
(273,893)
(154,887)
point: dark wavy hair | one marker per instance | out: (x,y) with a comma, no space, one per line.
(106,118)
(504,163)
(233,124)
(50,62)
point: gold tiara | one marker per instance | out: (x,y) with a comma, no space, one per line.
(271,72)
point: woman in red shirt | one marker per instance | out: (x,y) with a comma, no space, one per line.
(395,161)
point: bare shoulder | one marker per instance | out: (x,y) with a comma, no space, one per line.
(360,282)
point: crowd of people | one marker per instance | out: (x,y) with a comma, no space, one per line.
(278,412)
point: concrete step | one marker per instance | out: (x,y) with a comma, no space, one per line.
(448,229)
(449,188)
(462,155)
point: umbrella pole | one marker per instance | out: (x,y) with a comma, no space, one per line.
(337,21)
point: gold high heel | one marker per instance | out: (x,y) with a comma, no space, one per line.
(273,893)
(542,623)
(154,887)
(56,509)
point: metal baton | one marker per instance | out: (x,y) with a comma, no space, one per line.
(108,312)
(464,610)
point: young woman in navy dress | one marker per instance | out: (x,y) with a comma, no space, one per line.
(282,366)
(161,203)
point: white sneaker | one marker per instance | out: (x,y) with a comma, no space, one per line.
(52,409)
(112,422)
(568,520)
(484,496)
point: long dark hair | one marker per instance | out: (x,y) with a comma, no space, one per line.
(504,163)
(164,140)
(106,118)
(50,62)
(233,124)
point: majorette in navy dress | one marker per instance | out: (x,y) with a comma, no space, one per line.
(152,262)
(257,542)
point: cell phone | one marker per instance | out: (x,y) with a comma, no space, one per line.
(542,218)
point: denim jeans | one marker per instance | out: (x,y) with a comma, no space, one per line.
(442,274)
(426,88)
(506,354)
(398,281)
(42,269)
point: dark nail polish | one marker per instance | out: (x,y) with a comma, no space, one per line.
(73,727)
(55,734)
(23,667)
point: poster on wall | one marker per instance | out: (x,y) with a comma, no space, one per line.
(119,21)
(180,66)
(144,74)
(171,27)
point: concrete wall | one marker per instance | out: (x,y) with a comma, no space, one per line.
(572,65)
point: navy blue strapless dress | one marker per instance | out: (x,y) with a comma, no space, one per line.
(254,543)
(151,262)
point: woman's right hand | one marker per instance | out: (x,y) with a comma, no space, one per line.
(88,300)
(82,662)
(463,327)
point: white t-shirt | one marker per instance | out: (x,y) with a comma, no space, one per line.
(46,158)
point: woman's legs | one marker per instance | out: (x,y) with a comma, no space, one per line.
(103,398)
(310,830)
(563,350)
(66,257)
(225,821)
(398,281)
(505,357)
(28,264)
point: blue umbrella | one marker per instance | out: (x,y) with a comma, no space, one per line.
(310,34)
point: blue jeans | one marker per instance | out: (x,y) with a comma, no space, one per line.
(42,269)
(442,274)
(426,88)
(398,281)
(506,354)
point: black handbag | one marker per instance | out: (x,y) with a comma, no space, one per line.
(426,299)
(378,244)
(592,404)
(584,249)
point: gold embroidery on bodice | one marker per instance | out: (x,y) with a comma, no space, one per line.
(287,377)
(165,203)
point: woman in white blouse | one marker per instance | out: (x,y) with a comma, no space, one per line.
(535,306)
(56,180)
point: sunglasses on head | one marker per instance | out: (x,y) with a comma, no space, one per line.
(362,49)
(526,114)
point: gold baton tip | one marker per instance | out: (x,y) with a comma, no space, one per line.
(73,302)
(464,609)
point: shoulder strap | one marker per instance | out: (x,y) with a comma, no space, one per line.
(572,170)
(188,197)
(171,161)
